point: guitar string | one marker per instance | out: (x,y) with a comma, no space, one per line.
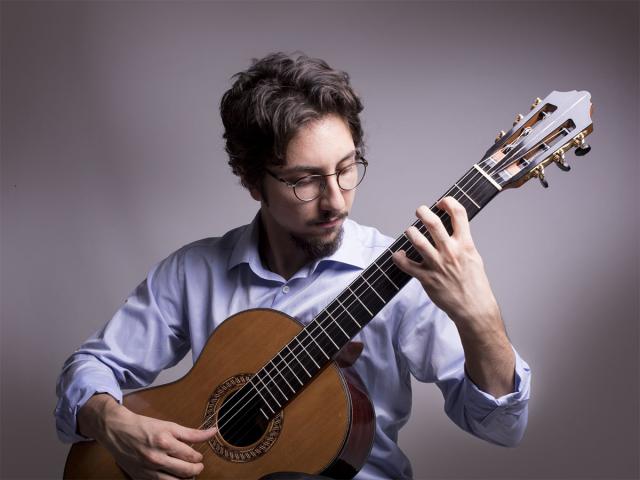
(405,242)
(332,325)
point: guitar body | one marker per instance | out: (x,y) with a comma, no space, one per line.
(327,428)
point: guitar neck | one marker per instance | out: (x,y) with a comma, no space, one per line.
(320,341)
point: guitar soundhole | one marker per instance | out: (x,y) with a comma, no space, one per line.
(244,433)
(240,427)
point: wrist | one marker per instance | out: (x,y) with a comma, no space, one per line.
(93,416)
(482,325)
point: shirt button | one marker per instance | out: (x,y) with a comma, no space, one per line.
(285,289)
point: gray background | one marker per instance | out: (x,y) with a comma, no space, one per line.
(112,158)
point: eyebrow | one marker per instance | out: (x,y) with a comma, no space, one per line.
(311,169)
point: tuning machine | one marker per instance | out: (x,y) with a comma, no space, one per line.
(581,146)
(501,134)
(539,173)
(560,160)
(536,102)
(519,117)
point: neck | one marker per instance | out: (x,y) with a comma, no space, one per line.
(279,253)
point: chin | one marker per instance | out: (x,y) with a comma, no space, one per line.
(320,246)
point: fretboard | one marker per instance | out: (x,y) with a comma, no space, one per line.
(321,340)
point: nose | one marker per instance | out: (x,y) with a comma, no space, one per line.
(332,197)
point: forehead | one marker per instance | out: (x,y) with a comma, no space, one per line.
(320,144)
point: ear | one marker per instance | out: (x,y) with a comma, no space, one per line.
(256,194)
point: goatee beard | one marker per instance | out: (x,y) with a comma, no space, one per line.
(316,248)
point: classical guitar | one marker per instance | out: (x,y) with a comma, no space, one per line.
(270,404)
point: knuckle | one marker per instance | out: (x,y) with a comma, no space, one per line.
(162,442)
(430,221)
(155,458)
(150,457)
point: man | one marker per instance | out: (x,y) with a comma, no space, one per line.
(294,138)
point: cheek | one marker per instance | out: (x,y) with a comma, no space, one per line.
(348,198)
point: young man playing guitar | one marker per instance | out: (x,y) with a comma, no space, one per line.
(294,138)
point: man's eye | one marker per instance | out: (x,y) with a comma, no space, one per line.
(305,181)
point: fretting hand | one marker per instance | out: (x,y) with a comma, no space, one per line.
(452,273)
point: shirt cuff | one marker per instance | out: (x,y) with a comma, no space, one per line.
(503,419)
(66,410)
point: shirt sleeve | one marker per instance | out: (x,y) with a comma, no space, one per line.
(146,335)
(430,344)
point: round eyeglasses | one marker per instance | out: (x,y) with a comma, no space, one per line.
(310,187)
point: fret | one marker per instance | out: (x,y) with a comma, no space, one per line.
(385,275)
(277,386)
(381,284)
(308,354)
(319,347)
(358,298)
(466,195)
(328,336)
(288,365)
(339,326)
(259,393)
(274,366)
(301,364)
(373,289)
(348,312)
(268,390)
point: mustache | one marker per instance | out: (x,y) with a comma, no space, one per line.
(329,216)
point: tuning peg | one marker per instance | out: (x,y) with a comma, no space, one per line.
(583,149)
(561,161)
(539,172)
(581,146)
(501,134)
(518,118)
(536,103)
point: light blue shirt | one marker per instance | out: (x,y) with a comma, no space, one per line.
(187,295)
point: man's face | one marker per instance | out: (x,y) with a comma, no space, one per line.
(321,147)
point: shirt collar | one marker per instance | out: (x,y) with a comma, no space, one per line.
(350,252)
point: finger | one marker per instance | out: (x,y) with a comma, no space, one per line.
(166,476)
(182,451)
(405,264)
(427,251)
(180,468)
(434,225)
(458,215)
(193,435)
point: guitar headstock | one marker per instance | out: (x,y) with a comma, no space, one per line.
(554,125)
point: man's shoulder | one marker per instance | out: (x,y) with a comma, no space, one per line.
(212,246)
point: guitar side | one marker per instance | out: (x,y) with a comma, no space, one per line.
(327,428)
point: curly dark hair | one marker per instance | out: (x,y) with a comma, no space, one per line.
(270,101)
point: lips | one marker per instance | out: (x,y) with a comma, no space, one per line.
(330,222)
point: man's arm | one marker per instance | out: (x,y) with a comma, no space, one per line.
(144,336)
(452,274)
(142,446)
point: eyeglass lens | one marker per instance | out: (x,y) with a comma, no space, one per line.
(309,188)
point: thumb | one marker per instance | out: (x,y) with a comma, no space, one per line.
(195,435)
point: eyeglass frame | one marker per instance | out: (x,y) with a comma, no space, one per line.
(360,160)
